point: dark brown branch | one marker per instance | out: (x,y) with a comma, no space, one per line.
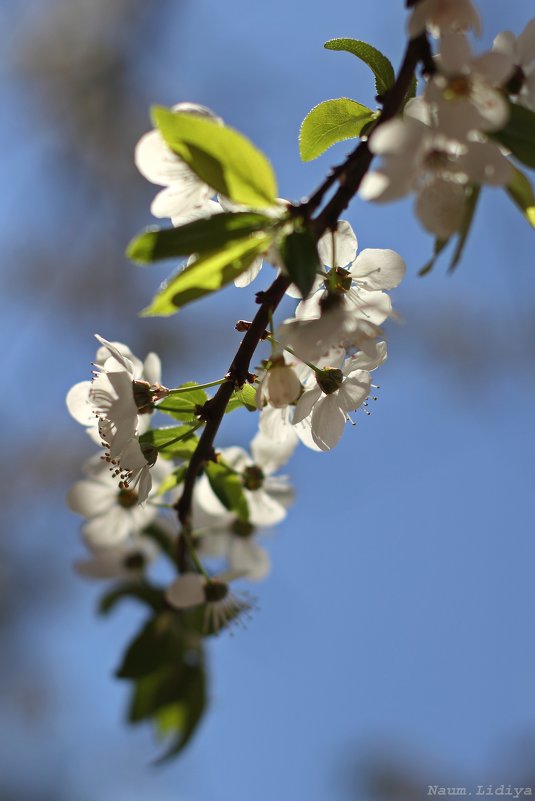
(349,176)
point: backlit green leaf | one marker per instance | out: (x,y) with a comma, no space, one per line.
(520,191)
(183,405)
(172,441)
(376,61)
(207,274)
(242,398)
(299,253)
(199,236)
(519,134)
(173,480)
(223,158)
(228,487)
(330,122)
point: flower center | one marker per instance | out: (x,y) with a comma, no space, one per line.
(136,560)
(215,590)
(330,379)
(127,498)
(338,280)
(458,87)
(253,477)
(243,529)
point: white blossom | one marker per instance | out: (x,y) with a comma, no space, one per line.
(418,157)
(466,93)
(114,514)
(442,16)
(332,394)
(358,280)
(521,51)
(222,607)
(115,358)
(126,560)
(267,495)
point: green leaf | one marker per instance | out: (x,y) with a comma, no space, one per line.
(330,122)
(199,236)
(171,684)
(228,487)
(223,158)
(172,442)
(520,191)
(183,405)
(138,590)
(173,480)
(299,253)
(242,398)
(158,642)
(376,61)
(519,134)
(207,274)
(186,713)
(439,246)
(469,211)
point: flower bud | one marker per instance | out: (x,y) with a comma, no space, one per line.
(283,386)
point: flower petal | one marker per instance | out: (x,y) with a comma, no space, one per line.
(378,268)
(328,422)
(186,591)
(305,404)
(345,246)
(249,559)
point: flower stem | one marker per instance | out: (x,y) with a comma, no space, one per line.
(180,390)
(292,351)
(181,437)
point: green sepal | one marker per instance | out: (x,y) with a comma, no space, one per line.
(521,192)
(171,442)
(206,274)
(519,134)
(228,488)
(199,236)
(378,63)
(243,398)
(151,596)
(223,158)
(330,122)
(464,230)
(183,405)
(299,253)
(438,247)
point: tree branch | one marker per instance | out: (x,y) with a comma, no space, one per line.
(349,175)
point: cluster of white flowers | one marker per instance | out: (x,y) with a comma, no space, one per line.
(440,147)
(332,342)
(318,372)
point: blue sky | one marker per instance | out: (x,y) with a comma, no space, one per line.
(398,616)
